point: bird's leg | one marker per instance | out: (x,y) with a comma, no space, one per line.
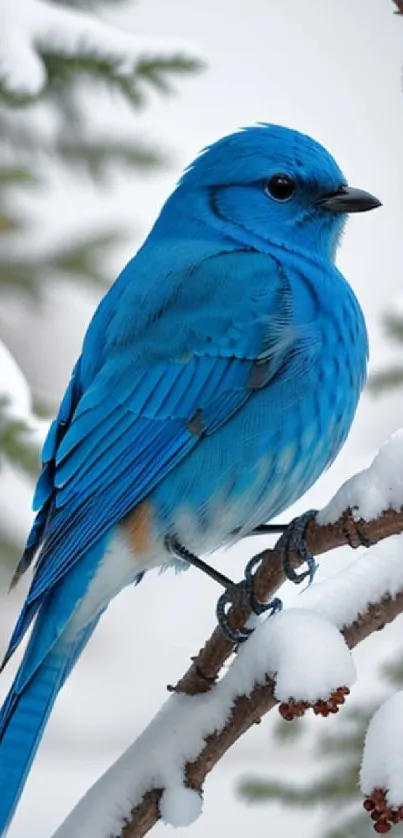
(236,593)
(293,541)
(267,529)
(176,549)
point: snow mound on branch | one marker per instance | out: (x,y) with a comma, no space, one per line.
(180,806)
(309,659)
(376,574)
(382,761)
(32,27)
(306,654)
(373,490)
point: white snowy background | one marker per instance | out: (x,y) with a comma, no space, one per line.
(333,70)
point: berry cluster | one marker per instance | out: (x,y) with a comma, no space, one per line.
(294,709)
(381,813)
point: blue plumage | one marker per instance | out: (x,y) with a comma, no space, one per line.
(218,378)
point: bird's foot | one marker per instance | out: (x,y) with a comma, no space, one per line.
(293,541)
(242,593)
(236,593)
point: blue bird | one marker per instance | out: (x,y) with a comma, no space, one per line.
(218,378)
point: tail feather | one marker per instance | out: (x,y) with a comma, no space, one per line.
(56,642)
(23,719)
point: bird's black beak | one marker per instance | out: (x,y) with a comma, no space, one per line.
(348,199)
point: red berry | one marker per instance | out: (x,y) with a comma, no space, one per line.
(293,709)
(383,815)
(382,827)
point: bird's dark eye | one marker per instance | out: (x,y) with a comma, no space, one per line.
(281,187)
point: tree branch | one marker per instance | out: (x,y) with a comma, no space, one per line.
(246,710)
(399,7)
(206,666)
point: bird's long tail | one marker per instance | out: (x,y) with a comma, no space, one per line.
(23,719)
(54,647)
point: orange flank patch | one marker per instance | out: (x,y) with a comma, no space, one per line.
(137,527)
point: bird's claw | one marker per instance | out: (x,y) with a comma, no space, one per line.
(255,604)
(293,541)
(242,593)
(236,594)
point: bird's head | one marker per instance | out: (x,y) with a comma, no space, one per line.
(271,184)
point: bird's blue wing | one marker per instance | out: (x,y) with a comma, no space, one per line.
(45,486)
(140,416)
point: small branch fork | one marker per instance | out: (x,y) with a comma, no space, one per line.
(247,710)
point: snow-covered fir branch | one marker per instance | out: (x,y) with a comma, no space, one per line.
(32,29)
(15,399)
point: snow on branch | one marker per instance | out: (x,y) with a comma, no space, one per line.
(375,575)
(381,775)
(179,733)
(298,657)
(373,490)
(382,764)
(16,406)
(13,385)
(31,29)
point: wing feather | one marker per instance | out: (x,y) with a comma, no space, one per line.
(119,434)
